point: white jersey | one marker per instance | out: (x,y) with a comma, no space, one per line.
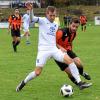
(47,33)
(26,21)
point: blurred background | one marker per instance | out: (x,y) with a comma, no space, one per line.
(90,8)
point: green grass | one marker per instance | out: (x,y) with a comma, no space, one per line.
(15,66)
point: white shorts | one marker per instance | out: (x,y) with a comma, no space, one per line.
(43,56)
(26,29)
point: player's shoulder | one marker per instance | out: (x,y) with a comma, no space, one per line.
(11,16)
(65,29)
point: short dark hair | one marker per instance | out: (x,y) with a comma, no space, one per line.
(50,8)
(75,20)
(16,8)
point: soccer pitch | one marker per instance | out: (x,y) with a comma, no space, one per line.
(15,66)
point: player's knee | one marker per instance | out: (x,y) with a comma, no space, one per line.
(77,61)
(38,71)
(68,60)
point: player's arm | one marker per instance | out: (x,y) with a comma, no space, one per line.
(10,21)
(30,7)
(32,17)
(35,18)
(60,47)
(59,34)
(86,18)
(21,23)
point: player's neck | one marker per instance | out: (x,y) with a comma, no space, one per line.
(17,15)
(49,20)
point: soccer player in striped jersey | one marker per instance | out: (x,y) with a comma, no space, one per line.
(15,24)
(64,38)
(83,21)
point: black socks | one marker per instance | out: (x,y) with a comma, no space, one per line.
(15,45)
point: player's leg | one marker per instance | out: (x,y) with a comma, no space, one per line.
(78,63)
(73,69)
(26,34)
(23,34)
(14,43)
(13,34)
(29,77)
(75,74)
(62,57)
(82,27)
(64,67)
(81,68)
(16,39)
(27,37)
(41,60)
(67,70)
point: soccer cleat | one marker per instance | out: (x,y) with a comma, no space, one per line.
(15,49)
(20,86)
(83,85)
(86,76)
(27,42)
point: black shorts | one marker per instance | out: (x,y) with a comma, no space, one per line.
(63,66)
(15,33)
(83,24)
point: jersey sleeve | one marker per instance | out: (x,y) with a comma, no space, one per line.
(23,17)
(37,20)
(59,34)
(10,19)
(21,20)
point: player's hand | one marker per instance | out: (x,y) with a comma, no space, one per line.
(29,6)
(63,50)
(20,28)
(8,31)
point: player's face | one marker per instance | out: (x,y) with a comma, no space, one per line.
(51,16)
(73,27)
(16,11)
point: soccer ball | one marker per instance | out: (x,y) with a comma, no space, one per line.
(66,90)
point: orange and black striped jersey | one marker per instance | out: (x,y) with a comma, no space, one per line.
(83,19)
(65,38)
(15,22)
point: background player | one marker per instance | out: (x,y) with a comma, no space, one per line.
(65,37)
(83,21)
(15,24)
(26,23)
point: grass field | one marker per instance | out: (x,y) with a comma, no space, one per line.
(15,66)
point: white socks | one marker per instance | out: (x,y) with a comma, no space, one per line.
(74,72)
(22,35)
(30,76)
(27,37)
(73,69)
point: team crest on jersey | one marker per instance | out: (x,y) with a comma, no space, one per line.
(52,31)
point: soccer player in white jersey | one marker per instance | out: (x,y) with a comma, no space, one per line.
(47,49)
(26,23)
